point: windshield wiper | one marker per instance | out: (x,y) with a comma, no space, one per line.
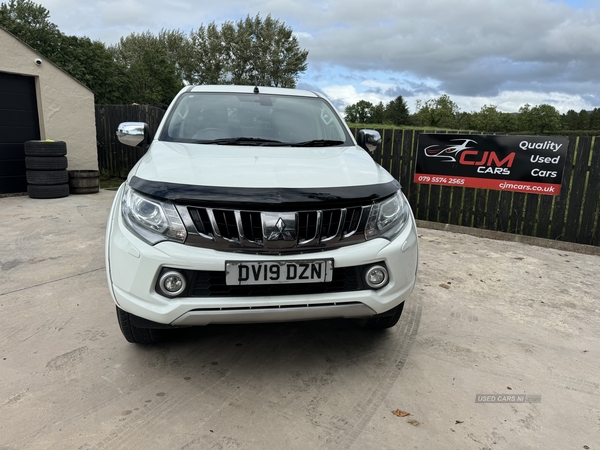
(316,143)
(240,141)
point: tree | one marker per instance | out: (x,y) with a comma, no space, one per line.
(151,64)
(153,79)
(208,55)
(92,64)
(465,120)
(145,68)
(359,112)
(487,119)
(30,23)
(546,118)
(441,112)
(570,120)
(509,122)
(363,111)
(88,61)
(524,119)
(396,111)
(248,51)
(377,113)
(584,120)
(539,119)
(595,119)
(276,55)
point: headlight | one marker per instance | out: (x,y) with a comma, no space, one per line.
(151,220)
(388,218)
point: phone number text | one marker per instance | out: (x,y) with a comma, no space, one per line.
(440,180)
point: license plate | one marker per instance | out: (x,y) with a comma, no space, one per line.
(278,272)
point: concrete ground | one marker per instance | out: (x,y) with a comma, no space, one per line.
(487,317)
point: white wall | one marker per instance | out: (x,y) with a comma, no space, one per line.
(65,106)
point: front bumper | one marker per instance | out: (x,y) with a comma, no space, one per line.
(133,268)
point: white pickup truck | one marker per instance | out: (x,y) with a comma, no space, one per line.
(256,204)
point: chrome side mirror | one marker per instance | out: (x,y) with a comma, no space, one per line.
(369,140)
(135,134)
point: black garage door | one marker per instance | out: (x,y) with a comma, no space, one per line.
(18,123)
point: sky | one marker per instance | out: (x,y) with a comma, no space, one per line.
(479,52)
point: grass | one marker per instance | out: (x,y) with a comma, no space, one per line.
(388,126)
(109,182)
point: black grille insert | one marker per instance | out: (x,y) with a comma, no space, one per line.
(352,220)
(252,225)
(307,225)
(331,223)
(323,225)
(226,223)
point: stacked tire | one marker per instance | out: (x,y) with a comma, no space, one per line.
(46,164)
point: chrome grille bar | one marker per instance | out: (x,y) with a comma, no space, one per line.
(303,231)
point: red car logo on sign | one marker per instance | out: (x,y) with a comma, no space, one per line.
(449,153)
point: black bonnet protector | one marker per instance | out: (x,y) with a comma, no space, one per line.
(265,199)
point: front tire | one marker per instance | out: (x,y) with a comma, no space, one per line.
(135,334)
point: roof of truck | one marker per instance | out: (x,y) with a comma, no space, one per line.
(250,89)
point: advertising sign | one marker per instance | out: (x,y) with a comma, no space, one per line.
(528,164)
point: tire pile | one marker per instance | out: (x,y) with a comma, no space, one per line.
(46,164)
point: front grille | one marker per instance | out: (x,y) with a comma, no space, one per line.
(352,219)
(251,225)
(212,284)
(226,223)
(201,220)
(307,225)
(257,231)
(331,223)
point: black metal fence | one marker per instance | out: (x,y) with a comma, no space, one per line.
(114,158)
(573,216)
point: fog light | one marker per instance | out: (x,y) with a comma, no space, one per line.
(172,283)
(376,277)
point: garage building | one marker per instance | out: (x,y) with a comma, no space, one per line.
(38,100)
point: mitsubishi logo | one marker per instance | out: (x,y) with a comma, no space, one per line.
(281,234)
(279,226)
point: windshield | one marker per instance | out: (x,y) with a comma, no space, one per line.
(254,119)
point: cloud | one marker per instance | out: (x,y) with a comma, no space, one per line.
(506,101)
(511,101)
(414,48)
(476,48)
(344,95)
